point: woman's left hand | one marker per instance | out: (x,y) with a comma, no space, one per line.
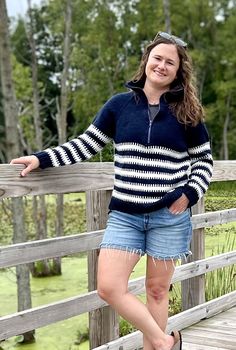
(180,205)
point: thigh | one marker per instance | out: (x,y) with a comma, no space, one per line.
(124,232)
(114,269)
(169,235)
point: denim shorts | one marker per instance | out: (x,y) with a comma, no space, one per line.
(159,234)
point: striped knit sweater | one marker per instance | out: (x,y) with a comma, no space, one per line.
(155,160)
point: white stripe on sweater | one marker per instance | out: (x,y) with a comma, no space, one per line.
(199,149)
(96,147)
(151,162)
(150,150)
(134,199)
(147,174)
(53,157)
(98,133)
(146,187)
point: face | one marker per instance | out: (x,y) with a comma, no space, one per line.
(162,66)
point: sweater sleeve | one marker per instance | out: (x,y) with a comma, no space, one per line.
(92,141)
(201,163)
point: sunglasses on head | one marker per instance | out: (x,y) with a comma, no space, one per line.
(174,39)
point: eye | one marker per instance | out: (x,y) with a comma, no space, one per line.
(170,63)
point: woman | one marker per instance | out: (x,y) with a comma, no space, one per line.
(163,165)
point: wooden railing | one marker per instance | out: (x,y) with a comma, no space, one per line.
(96,179)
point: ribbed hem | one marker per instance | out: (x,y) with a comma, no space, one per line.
(127,207)
(191,194)
(44,159)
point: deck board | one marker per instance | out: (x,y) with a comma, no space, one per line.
(218,332)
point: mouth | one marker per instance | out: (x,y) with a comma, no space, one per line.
(160,74)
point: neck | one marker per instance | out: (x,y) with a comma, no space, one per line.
(153,94)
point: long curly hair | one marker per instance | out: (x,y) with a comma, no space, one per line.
(188,110)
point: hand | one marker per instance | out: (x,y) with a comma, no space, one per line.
(31,163)
(180,205)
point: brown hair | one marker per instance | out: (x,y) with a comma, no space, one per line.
(189,110)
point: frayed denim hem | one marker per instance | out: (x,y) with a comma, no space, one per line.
(140,252)
(171,257)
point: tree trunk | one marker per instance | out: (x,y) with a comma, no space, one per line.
(40,268)
(13,150)
(225,129)
(61,120)
(166,6)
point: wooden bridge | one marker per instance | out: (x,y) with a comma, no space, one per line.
(217,327)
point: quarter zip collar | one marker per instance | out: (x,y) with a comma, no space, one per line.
(174,95)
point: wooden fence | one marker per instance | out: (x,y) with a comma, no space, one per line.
(96,179)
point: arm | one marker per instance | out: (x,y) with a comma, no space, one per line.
(92,141)
(201,163)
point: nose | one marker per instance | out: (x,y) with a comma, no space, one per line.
(162,65)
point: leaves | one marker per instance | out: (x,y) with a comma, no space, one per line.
(106,45)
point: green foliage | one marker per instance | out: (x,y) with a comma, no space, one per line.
(74,217)
(125,328)
(107,40)
(223,280)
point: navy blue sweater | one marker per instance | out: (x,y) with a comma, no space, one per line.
(155,160)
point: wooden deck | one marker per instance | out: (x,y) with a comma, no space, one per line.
(218,332)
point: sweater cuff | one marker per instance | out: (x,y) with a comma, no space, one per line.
(44,159)
(191,194)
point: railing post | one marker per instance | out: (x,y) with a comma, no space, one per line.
(103,323)
(193,289)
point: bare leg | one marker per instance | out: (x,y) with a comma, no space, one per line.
(114,269)
(158,279)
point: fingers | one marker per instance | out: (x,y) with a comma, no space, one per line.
(26,170)
(180,205)
(31,163)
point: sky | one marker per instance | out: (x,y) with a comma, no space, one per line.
(17,8)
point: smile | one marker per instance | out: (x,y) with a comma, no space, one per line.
(159,73)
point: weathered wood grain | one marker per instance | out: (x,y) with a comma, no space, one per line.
(48,248)
(41,316)
(73,178)
(212,333)
(224,170)
(76,178)
(179,321)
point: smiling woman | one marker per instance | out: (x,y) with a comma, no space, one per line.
(163,166)
(161,70)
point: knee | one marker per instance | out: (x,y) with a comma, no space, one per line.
(157,291)
(106,292)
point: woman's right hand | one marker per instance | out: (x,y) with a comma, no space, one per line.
(31,163)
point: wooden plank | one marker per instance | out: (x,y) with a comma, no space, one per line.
(60,246)
(193,290)
(34,318)
(179,321)
(38,250)
(37,317)
(191,346)
(72,178)
(224,170)
(103,323)
(48,248)
(210,338)
(213,218)
(76,178)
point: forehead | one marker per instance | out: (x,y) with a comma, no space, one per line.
(168,51)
